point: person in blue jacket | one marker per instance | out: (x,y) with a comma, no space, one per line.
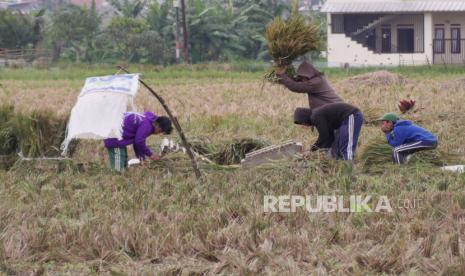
(406,137)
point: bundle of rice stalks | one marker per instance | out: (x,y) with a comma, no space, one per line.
(39,133)
(234,151)
(287,40)
(272,77)
(378,153)
(372,115)
(226,152)
(34,135)
(8,141)
(203,146)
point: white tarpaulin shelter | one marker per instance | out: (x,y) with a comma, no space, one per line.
(100,108)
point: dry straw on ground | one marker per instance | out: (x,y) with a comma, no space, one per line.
(218,155)
(152,220)
(376,79)
(453,84)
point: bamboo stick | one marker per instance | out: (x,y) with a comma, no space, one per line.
(176,125)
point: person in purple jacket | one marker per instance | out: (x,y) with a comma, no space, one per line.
(136,129)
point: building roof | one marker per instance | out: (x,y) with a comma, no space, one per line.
(87,3)
(376,6)
(22,6)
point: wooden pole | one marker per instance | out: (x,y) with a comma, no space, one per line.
(185,33)
(186,145)
(178,33)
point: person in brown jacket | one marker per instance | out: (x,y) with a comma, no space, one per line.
(311,81)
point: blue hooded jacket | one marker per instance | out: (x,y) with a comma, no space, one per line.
(405,132)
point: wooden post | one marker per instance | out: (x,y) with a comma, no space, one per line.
(176,125)
(185,33)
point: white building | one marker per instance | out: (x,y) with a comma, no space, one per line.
(22,6)
(395,32)
(310,5)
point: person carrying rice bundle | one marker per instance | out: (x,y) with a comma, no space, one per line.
(310,81)
(289,40)
(406,138)
(338,126)
(136,129)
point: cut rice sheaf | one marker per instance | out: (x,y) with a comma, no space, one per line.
(289,39)
(377,153)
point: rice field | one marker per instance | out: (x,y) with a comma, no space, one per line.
(80,218)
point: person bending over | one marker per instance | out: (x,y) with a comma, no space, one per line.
(406,137)
(338,126)
(136,129)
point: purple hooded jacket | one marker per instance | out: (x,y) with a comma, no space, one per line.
(136,129)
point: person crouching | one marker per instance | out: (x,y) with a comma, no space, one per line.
(406,137)
(338,126)
(136,129)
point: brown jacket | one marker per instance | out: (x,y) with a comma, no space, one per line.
(312,82)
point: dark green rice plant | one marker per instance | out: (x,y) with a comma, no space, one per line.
(8,141)
(232,152)
(203,146)
(226,152)
(37,134)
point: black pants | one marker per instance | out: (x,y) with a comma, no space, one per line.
(400,153)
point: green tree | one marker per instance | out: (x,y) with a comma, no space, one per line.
(131,37)
(235,29)
(77,28)
(128,8)
(16,30)
(162,19)
(131,34)
(219,29)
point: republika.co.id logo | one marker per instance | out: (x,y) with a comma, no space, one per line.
(326,204)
